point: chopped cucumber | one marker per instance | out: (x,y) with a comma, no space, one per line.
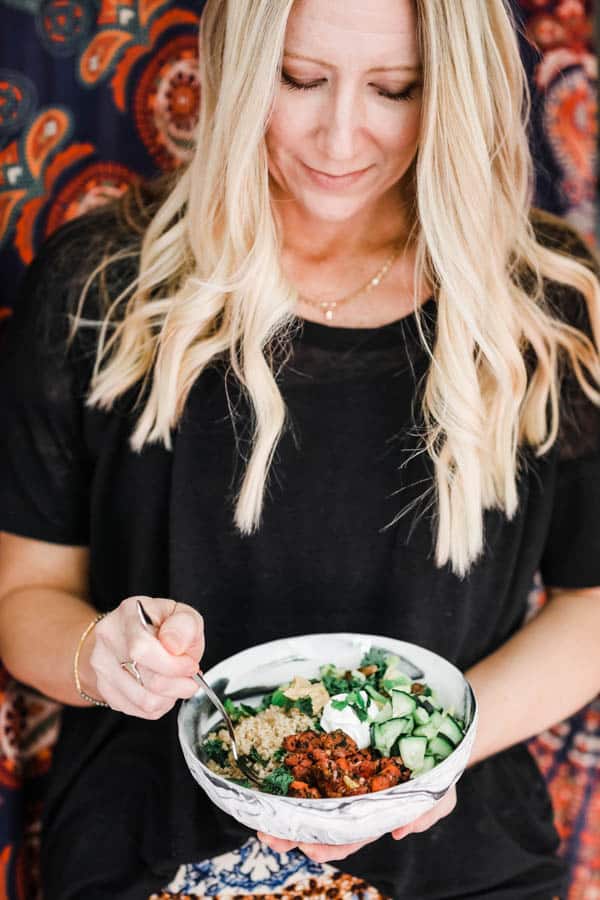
(412,751)
(392,673)
(428,764)
(403,704)
(450,729)
(440,746)
(385,734)
(421,715)
(384,713)
(372,692)
(428,731)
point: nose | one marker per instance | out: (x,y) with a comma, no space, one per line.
(342,122)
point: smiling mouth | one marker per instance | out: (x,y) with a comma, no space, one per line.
(343,175)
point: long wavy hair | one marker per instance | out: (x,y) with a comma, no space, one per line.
(210,283)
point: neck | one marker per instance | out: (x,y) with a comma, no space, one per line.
(310,240)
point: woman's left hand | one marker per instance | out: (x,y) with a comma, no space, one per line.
(324,853)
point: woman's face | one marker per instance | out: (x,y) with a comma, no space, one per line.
(348,120)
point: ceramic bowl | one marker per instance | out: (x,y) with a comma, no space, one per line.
(252,673)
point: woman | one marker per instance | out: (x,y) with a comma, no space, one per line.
(304,402)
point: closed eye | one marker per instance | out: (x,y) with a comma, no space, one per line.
(406,94)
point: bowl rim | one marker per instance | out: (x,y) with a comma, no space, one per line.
(306,802)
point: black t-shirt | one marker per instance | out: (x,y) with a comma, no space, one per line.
(331,555)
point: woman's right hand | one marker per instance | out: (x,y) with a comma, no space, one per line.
(165,661)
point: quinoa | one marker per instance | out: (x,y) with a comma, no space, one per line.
(265,733)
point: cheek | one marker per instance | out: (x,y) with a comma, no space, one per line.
(286,126)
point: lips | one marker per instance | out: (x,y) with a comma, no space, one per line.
(334,182)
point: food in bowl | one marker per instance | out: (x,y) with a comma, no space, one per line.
(343,734)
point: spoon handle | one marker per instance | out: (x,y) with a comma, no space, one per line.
(203,683)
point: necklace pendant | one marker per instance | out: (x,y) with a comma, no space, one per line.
(329,315)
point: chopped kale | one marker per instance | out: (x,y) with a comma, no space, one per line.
(304,704)
(278,781)
(255,757)
(216,750)
(243,782)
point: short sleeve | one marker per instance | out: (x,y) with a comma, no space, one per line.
(44,470)
(571,557)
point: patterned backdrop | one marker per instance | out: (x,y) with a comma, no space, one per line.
(97,93)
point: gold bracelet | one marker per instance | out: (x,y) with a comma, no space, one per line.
(80,690)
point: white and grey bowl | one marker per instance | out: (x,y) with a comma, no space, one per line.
(254,672)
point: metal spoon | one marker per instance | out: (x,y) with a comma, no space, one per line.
(201,681)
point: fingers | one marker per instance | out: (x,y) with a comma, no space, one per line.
(165,675)
(441,809)
(175,688)
(320,853)
(183,632)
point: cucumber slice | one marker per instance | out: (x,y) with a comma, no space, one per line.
(403,704)
(425,704)
(428,764)
(385,734)
(428,731)
(374,693)
(440,746)
(450,729)
(384,713)
(392,673)
(421,716)
(412,751)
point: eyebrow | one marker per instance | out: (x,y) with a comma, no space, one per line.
(375,69)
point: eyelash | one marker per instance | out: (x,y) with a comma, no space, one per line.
(406,94)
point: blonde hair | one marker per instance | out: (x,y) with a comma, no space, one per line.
(210,282)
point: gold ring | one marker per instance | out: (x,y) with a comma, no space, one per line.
(130,666)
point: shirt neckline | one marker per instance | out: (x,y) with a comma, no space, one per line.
(342,337)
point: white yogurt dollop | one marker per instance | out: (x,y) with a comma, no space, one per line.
(347,720)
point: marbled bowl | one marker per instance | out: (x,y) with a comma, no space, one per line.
(250,674)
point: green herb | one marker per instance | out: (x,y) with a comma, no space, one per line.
(278,781)
(216,750)
(375,657)
(278,698)
(340,704)
(243,782)
(357,702)
(238,712)
(304,704)
(255,757)
(280,754)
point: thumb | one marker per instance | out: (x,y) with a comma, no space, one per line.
(183,632)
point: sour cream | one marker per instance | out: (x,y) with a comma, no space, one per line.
(347,720)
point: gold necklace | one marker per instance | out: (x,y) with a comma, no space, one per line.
(329,307)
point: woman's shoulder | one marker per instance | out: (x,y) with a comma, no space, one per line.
(560,235)
(106,241)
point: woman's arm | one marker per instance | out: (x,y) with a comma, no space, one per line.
(542,675)
(44,610)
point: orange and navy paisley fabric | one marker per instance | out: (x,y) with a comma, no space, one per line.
(95,94)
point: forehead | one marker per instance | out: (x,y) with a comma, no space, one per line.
(357,33)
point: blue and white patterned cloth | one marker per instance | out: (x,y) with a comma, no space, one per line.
(254,869)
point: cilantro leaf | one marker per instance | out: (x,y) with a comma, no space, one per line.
(340,704)
(280,754)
